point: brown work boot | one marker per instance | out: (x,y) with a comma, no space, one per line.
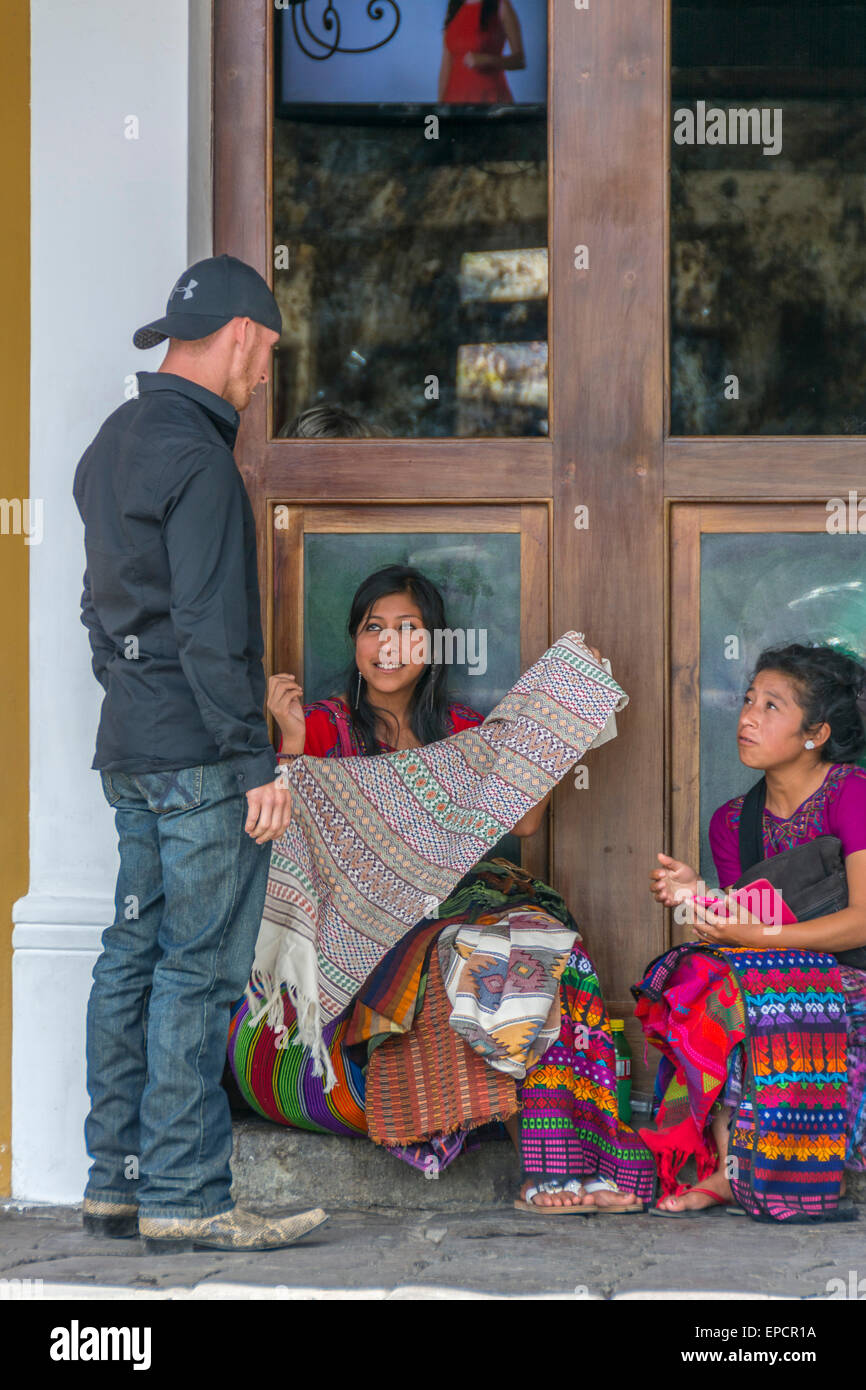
(231,1230)
(115,1219)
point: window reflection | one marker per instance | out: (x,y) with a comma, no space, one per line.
(766,590)
(409,232)
(768,206)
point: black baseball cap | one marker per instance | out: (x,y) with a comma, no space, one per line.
(207,297)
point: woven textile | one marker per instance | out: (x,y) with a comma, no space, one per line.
(569,1127)
(788,1134)
(502,978)
(280,1083)
(690,1008)
(387,1000)
(429,1082)
(854,985)
(375,841)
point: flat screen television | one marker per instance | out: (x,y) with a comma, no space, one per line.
(379,60)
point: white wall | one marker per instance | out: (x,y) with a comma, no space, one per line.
(112,223)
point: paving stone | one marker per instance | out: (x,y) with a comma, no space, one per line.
(479,1252)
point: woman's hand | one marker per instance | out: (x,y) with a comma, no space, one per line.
(285,702)
(479,60)
(673,882)
(596,653)
(737,928)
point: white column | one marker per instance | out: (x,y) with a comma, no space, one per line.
(110,231)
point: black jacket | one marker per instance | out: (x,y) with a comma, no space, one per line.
(171,594)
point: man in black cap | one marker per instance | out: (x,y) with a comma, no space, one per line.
(171,602)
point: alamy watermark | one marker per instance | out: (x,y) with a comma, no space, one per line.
(846,517)
(445,646)
(22,516)
(738,125)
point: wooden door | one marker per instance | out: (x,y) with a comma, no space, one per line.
(599,473)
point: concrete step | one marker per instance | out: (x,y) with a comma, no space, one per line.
(278,1167)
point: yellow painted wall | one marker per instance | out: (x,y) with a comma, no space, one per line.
(14,474)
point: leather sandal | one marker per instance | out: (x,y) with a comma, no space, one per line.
(717,1203)
(553,1186)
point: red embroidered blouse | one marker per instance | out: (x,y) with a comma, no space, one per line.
(327,720)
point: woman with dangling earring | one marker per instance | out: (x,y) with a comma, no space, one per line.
(395,693)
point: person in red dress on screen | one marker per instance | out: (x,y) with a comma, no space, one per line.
(473,62)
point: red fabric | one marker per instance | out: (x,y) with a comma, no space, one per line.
(697,1043)
(465,35)
(323,735)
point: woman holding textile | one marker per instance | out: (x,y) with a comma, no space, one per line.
(394,698)
(801,724)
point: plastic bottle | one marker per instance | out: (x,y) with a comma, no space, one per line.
(623,1070)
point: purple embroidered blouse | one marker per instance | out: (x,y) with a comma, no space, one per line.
(838,807)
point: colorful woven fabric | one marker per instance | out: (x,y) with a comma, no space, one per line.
(854,985)
(387,1000)
(496,885)
(438,1152)
(788,1134)
(569,1126)
(788,1139)
(280,1084)
(502,977)
(375,841)
(690,1008)
(429,1082)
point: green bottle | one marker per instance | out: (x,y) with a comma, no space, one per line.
(623,1070)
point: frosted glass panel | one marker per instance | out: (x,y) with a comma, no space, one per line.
(478,574)
(759,591)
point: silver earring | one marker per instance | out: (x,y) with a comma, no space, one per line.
(809,743)
(358,691)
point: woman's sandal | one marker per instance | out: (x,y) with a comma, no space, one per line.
(573,1185)
(718,1202)
(605,1185)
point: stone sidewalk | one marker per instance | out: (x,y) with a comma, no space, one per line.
(491,1252)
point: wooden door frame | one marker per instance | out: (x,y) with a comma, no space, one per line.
(530,520)
(688,522)
(607,141)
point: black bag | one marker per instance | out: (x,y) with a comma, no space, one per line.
(810,877)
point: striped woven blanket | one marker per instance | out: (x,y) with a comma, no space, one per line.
(376,843)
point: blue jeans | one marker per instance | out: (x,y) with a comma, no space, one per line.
(188,906)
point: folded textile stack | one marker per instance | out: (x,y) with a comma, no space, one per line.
(374,840)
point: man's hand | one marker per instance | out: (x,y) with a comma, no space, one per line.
(270,812)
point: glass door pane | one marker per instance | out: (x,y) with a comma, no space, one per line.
(762,590)
(768,217)
(410,219)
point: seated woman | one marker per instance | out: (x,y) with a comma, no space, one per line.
(395,700)
(801,724)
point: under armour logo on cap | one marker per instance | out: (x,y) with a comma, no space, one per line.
(185,290)
(221,288)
